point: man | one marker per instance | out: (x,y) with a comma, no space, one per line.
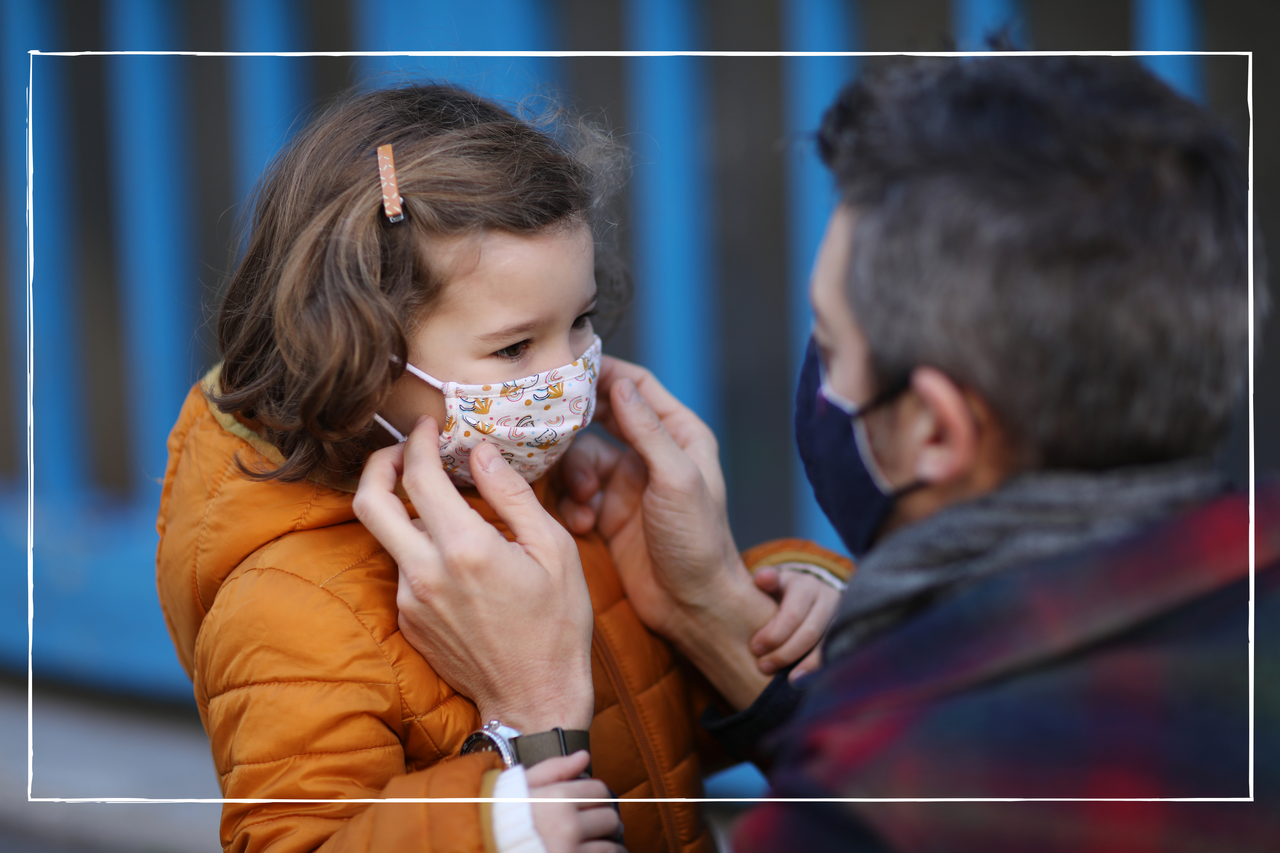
(1032,309)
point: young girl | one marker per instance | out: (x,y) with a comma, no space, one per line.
(459,280)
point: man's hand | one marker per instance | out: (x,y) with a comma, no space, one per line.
(569,827)
(506,623)
(661,507)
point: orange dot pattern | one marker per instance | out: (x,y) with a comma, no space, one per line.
(391,201)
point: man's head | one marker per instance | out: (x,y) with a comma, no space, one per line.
(1066,236)
(1064,239)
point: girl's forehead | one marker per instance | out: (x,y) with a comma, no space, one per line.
(493,276)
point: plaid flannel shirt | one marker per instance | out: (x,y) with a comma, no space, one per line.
(1113,672)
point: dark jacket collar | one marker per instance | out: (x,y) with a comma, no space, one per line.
(1024,617)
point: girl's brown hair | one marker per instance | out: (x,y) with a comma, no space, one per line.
(314,322)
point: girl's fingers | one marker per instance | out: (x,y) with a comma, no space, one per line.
(599,821)
(559,769)
(601,846)
(587,466)
(791,614)
(580,518)
(767,580)
(801,641)
(621,500)
(587,793)
(810,664)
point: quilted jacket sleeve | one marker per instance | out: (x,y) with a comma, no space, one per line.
(303,701)
(797,552)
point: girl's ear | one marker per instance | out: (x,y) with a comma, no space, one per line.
(946,431)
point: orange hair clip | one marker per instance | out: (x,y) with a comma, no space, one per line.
(391,200)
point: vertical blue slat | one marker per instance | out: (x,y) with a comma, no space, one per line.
(423,25)
(1170,25)
(508,25)
(57,369)
(972,21)
(810,86)
(19,30)
(671,202)
(152,210)
(267,92)
(442,25)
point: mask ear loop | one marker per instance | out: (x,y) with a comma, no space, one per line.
(425,377)
(857,420)
(400,437)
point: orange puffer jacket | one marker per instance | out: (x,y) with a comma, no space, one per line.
(282,609)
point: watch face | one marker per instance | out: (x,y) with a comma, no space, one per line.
(486,741)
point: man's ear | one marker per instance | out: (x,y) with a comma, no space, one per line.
(946,431)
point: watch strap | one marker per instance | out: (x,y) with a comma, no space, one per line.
(530,749)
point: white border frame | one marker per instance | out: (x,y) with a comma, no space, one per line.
(626,53)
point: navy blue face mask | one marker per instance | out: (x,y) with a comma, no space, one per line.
(848,488)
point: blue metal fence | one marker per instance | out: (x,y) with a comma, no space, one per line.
(96,617)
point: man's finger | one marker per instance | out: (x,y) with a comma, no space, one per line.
(444,511)
(645,432)
(380,510)
(614,370)
(689,431)
(512,499)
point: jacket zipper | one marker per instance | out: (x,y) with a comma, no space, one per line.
(642,739)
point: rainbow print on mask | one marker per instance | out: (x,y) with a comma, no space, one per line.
(531,420)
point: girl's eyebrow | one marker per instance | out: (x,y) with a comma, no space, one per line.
(519,329)
(522,329)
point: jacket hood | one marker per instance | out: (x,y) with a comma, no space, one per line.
(212,517)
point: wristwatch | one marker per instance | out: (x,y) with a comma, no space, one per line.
(516,748)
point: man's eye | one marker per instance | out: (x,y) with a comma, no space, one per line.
(514,351)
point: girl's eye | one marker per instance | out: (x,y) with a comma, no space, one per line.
(514,351)
(584,320)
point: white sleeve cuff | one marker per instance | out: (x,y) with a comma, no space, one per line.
(513,830)
(818,572)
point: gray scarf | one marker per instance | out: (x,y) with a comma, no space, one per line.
(1031,517)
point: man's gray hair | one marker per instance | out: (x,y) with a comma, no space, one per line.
(1066,236)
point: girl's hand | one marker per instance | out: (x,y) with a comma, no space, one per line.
(807,605)
(566,826)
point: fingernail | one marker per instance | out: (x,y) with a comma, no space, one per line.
(485,454)
(767,667)
(578,477)
(627,391)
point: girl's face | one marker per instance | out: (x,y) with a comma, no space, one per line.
(512,306)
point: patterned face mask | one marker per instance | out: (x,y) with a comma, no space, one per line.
(531,420)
